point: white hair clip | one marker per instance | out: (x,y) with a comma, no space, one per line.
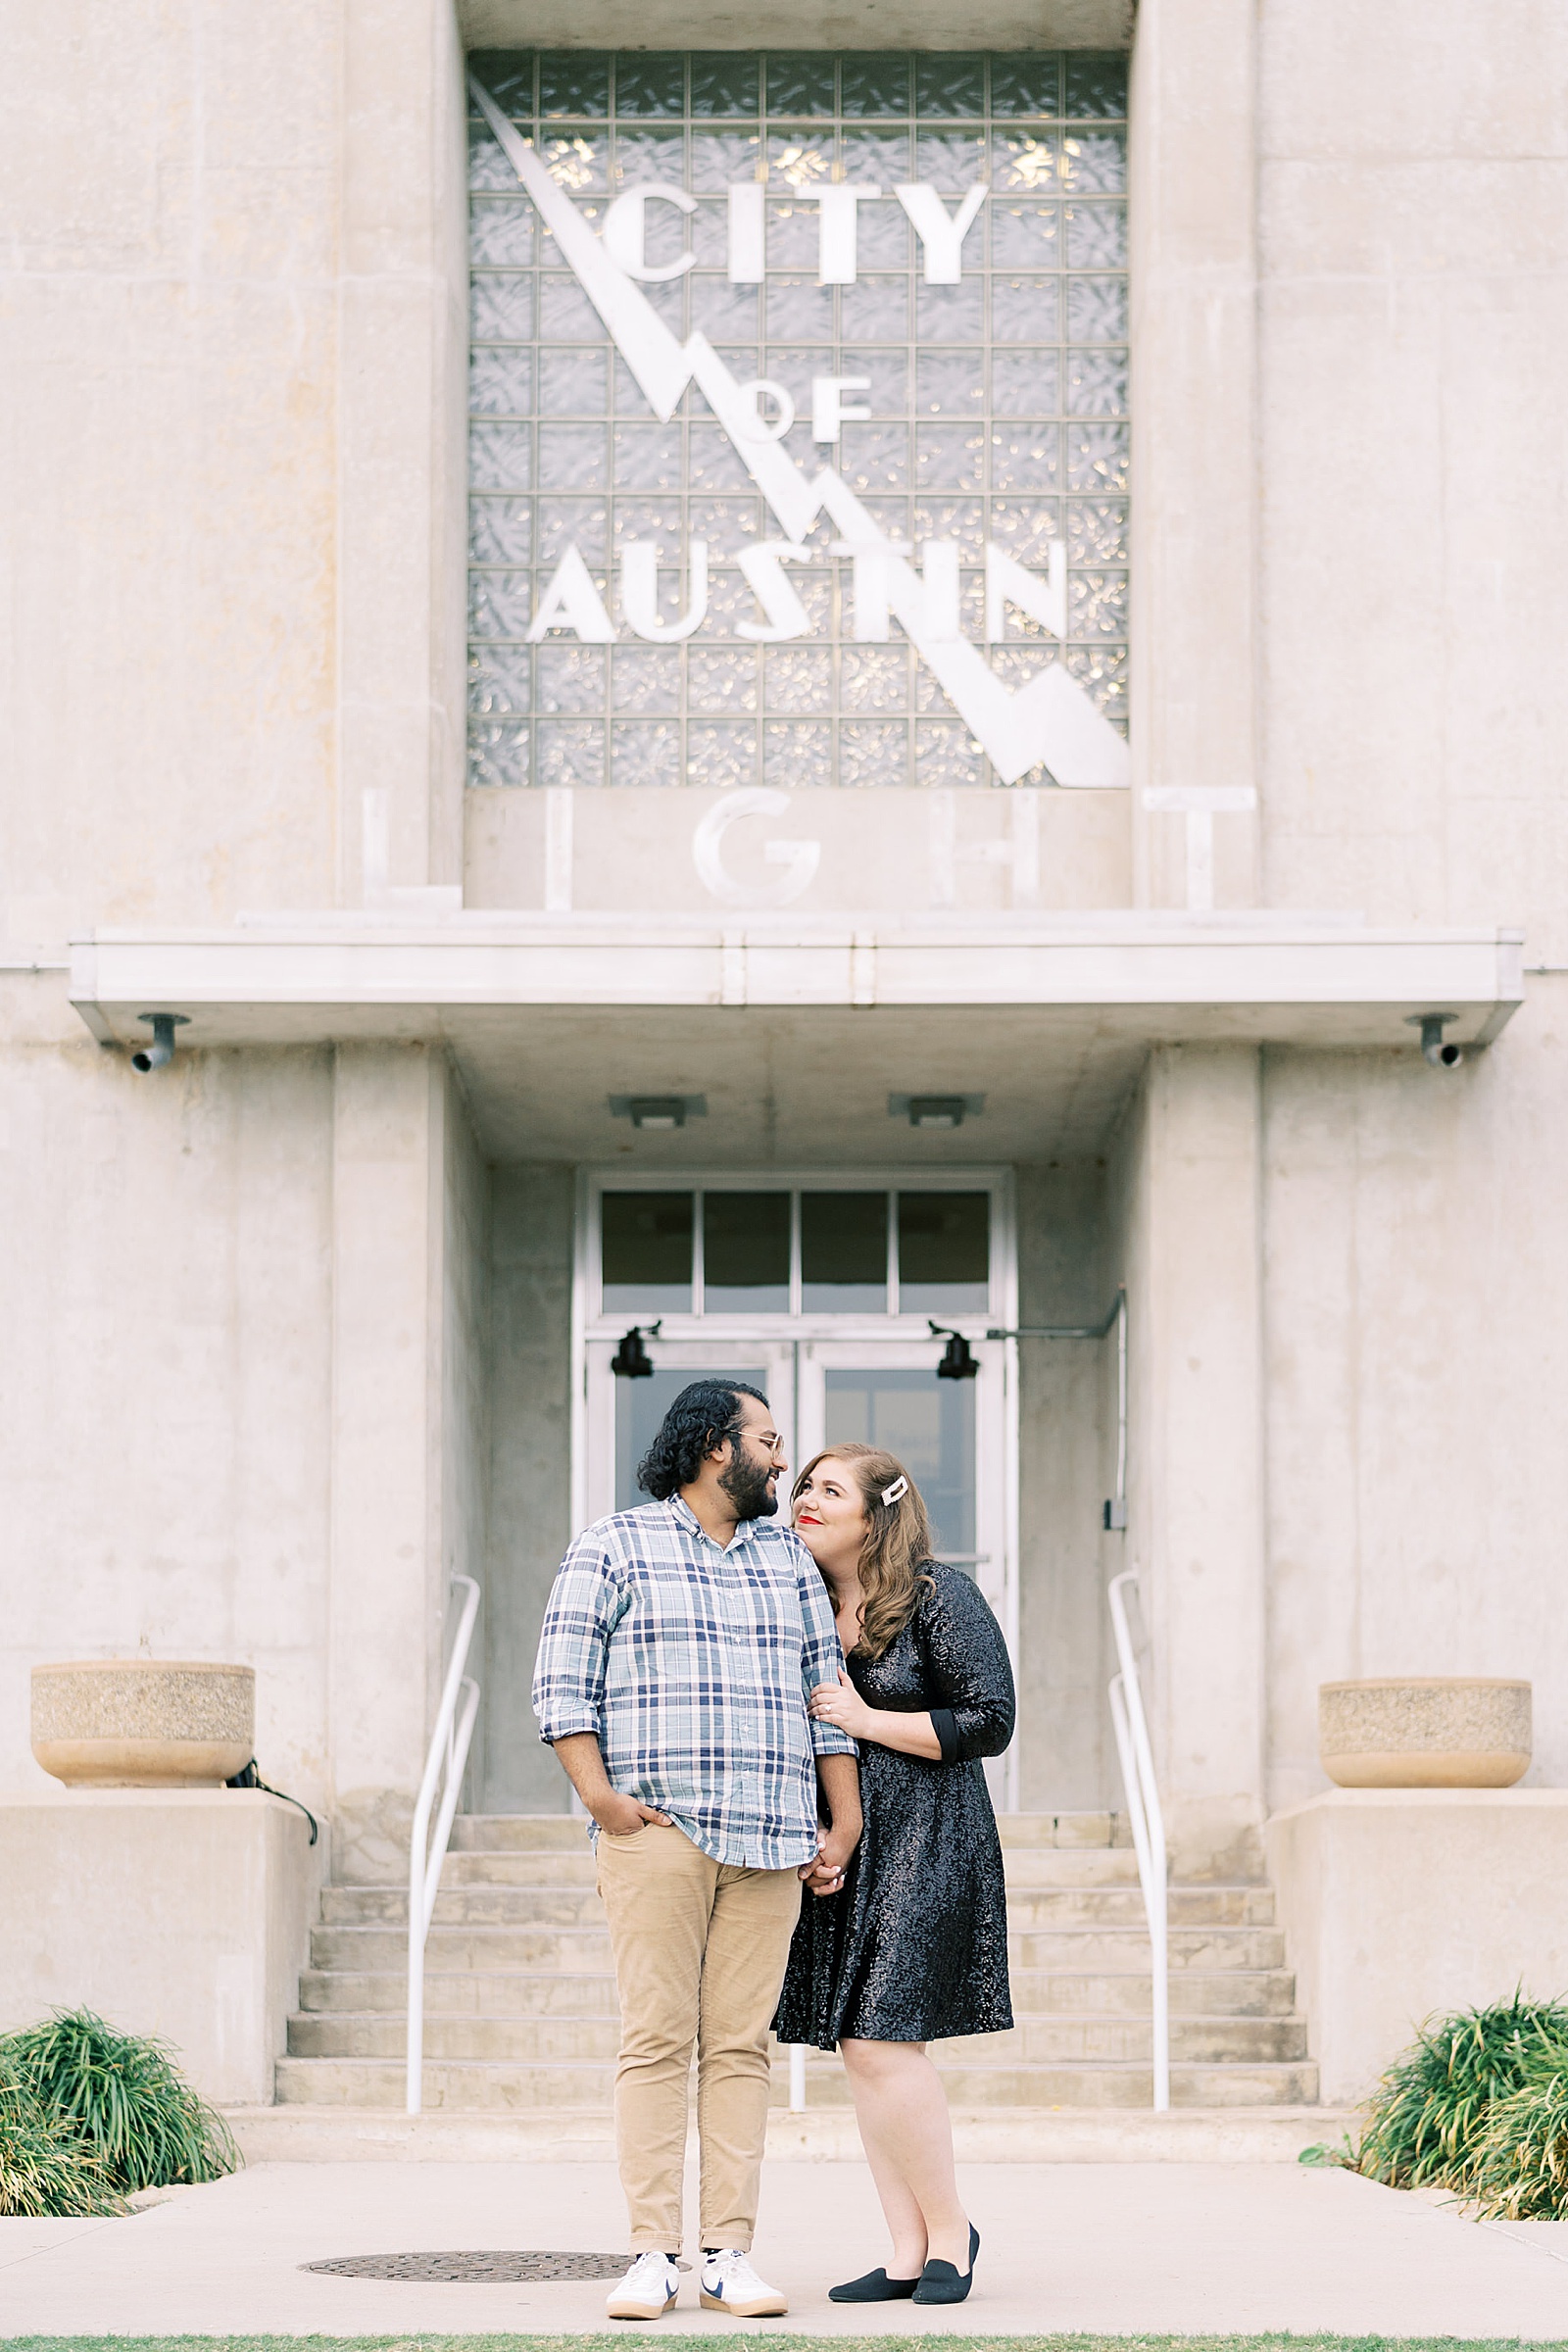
(892,1495)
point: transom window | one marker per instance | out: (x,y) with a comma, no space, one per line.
(714,1253)
(910,275)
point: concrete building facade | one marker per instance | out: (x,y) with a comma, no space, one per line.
(1118,697)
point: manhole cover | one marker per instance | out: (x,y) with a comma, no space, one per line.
(486,2266)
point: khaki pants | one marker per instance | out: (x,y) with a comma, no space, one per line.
(700,1953)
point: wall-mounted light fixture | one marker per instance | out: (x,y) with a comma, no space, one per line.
(957,1361)
(631,1359)
(935,1110)
(1433,1049)
(658,1113)
(161,1052)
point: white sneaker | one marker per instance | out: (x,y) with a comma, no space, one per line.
(729,2284)
(648,2290)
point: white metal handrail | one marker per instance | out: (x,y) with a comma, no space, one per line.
(443,1769)
(1148,1823)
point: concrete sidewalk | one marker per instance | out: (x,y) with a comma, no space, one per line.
(1161,2248)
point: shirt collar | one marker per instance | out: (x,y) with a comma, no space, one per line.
(680,1510)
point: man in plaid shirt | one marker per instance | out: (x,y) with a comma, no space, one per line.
(680,1647)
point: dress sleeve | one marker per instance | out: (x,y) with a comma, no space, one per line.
(968,1673)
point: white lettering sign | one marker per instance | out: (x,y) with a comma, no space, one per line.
(836,244)
(828,409)
(799,859)
(940,233)
(639,592)
(1051,722)
(626,229)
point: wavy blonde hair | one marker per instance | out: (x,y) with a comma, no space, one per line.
(898,1542)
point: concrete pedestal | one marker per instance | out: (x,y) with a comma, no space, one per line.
(183,1913)
(1400,1902)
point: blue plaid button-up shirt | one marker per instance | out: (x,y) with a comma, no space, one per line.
(693,1665)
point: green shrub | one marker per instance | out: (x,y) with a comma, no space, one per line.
(44,2173)
(122,2102)
(1430,2118)
(1521,2172)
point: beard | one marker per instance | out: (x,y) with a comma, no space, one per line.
(751,1490)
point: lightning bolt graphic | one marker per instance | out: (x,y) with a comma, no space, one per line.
(1051,719)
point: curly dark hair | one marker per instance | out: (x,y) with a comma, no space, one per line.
(703,1415)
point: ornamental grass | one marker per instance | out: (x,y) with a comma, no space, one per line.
(44,2171)
(119,2101)
(1478,2105)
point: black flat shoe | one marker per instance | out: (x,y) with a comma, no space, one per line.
(941,2282)
(875,2288)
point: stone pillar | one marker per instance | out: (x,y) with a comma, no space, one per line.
(387,1537)
(1193,176)
(1191,1188)
(403,337)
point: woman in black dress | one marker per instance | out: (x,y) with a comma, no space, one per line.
(914,1945)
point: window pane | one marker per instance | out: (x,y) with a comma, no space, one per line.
(929,1425)
(844,1254)
(944,1253)
(647,1246)
(746,1253)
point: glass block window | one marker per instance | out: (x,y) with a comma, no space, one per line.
(632,618)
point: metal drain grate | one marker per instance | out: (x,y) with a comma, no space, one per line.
(487,2268)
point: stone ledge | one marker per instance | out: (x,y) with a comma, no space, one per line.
(1038,2135)
(1399,1903)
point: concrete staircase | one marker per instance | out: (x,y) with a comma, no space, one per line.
(520,2001)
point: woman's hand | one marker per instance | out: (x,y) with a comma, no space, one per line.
(842,1705)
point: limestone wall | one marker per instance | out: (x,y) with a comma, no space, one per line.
(167,1435)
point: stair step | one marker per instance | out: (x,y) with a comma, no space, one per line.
(571,2040)
(572,1950)
(472,2086)
(1119,1952)
(1194,1992)
(511,1833)
(1064,1829)
(460,1993)
(547,2041)
(468,2085)
(1069,1866)
(1113,1950)
(1102,2083)
(536,1866)
(465,1906)
(487,1905)
(1036,1992)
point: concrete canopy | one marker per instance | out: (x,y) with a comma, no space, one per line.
(796,1030)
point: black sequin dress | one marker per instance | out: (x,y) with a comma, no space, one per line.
(915,1946)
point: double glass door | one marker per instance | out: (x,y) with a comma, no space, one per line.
(820,1291)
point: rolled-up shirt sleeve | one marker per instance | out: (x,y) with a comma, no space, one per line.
(821,1656)
(568,1677)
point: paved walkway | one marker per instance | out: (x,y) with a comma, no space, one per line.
(1167,2249)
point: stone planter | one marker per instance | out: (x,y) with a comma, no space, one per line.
(1424,1732)
(143,1723)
